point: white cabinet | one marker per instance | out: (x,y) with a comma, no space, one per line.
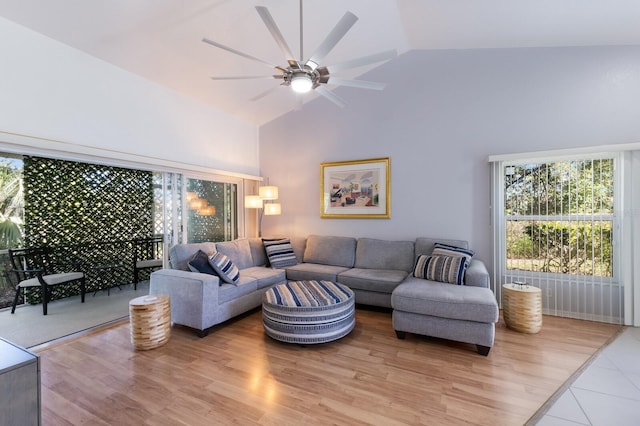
(19,386)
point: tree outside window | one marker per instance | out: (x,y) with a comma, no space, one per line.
(559,217)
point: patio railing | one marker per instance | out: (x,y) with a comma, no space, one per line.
(106,265)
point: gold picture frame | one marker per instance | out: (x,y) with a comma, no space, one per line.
(356,189)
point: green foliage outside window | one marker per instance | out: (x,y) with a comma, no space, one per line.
(559,217)
(11,205)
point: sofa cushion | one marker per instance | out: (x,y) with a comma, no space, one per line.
(313,271)
(330,250)
(180,254)
(266,277)
(258,254)
(379,280)
(426,245)
(199,262)
(440,249)
(382,254)
(239,251)
(446,269)
(244,286)
(445,300)
(224,268)
(299,245)
(279,252)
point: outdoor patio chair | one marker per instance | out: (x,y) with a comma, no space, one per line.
(33,268)
(147,254)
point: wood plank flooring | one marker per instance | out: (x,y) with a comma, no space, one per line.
(237,375)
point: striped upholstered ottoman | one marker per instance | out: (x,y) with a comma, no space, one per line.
(308,312)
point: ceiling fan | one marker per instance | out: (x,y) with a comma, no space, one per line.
(304,76)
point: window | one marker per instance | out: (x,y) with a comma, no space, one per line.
(559,217)
(211,211)
(555,228)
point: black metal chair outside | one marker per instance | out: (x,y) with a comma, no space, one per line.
(33,268)
(147,254)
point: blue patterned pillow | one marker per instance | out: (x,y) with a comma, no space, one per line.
(279,252)
(225,268)
(446,269)
(199,262)
(447,250)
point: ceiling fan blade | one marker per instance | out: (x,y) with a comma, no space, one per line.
(365,60)
(341,28)
(247,77)
(275,32)
(244,55)
(331,96)
(265,93)
(361,84)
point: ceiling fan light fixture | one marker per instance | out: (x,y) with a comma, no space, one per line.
(301,82)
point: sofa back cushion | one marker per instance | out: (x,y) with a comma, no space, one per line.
(329,250)
(257,252)
(383,254)
(239,251)
(299,245)
(425,245)
(180,254)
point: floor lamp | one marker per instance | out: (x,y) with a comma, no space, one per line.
(264,202)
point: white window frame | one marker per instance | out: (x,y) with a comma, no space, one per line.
(554,285)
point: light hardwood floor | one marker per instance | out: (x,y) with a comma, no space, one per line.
(237,375)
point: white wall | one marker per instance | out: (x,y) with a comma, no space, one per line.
(442,114)
(49,90)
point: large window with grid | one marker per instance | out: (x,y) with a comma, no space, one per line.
(556,230)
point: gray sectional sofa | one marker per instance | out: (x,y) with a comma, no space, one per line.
(372,268)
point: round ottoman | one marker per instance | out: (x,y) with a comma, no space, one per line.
(150,318)
(308,312)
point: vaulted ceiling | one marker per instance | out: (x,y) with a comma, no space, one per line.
(161,40)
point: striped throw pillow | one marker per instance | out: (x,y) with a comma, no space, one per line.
(279,252)
(447,250)
(446,269)
(225,268)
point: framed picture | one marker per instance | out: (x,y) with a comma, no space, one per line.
(355,189)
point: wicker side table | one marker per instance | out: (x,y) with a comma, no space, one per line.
(150,318)
(522,307)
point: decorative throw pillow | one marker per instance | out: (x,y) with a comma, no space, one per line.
(225,268)
(199,262)
(279,252)
(446,269)
(447,250)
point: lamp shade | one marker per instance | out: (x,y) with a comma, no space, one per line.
(272,209)
(252,202)
(268,192)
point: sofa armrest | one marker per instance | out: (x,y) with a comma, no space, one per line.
(194,296)
(477,275)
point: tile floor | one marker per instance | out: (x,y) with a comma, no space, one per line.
(607,392)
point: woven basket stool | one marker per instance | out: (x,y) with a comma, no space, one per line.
(522,307)
(150,318)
